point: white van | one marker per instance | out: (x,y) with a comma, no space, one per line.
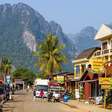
(41,84)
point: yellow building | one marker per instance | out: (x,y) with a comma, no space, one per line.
(96,57)
(84,59)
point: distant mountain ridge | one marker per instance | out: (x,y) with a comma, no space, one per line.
(21,28)
(84,39)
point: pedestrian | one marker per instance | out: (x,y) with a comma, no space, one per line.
(28,87)
(7,89)
(41,94)
(34,94)
(50,96)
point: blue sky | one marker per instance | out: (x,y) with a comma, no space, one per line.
(72,15)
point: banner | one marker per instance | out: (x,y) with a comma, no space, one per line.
(105,81)
(97,64)
(60,79)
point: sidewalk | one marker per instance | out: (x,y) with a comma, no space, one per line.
(82,107)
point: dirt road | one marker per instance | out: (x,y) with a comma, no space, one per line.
(23,103)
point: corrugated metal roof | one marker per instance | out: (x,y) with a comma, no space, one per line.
(87,53)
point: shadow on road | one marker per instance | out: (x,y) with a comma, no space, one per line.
(18,100)
(71,106)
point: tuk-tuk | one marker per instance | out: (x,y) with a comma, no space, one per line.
(56,90)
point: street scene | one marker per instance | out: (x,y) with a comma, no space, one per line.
(24,103)
(55,56)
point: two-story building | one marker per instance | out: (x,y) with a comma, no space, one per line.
(86,68)
(104,35)
(84,59)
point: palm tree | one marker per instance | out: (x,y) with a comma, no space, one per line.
(5,67)
(50,55)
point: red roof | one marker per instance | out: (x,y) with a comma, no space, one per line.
(53,84)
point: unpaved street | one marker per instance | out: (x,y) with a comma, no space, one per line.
(23,103)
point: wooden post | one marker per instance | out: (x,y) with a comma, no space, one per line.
(105,96)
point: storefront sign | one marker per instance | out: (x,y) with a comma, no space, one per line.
(77,95)
(8,79)
(19,81)
(105,81)
(97,65)
(60,79)
(55,78)
(108,69)
(106,86)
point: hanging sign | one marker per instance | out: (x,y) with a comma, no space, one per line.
(8,79)
(106,86)
(105,81)
(60,79)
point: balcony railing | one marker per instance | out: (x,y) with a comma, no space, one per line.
(106,51)
(103,52)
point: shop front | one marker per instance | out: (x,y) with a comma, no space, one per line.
(89,82)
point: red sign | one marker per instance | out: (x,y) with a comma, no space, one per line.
(53,84)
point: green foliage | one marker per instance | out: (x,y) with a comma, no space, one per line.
(50,55)
(41,76)
(6,66)
(25,74)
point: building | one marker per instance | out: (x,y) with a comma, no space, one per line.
(95,58)
(65,79)
(84,59)
(90,85)
(104,35)
(86,68)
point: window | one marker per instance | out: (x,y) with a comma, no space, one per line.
(83,67)
(104,45)
(111,44)
(77,70)
(42,87)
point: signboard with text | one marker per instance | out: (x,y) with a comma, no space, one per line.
(97,65)
(8,79)
(60,79)
(106,86)
(105,80)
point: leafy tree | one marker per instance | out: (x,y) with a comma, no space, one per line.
(50,55)
(5,66)
(25,74)
(40,76)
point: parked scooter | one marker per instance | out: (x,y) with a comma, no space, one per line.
(50,96)
(56,96)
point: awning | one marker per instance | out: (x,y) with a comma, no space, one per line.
(73,80)
(89,80)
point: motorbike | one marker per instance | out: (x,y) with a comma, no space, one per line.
(50,97)
(56,97)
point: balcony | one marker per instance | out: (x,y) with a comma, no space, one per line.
(103,52)
(106,51)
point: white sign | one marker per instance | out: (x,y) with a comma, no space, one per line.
(77,95)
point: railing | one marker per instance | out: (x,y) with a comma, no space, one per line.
(103,52)
(97,53)
(106,51)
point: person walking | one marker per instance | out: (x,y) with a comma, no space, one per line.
(50,96)
(34,94)
(28,87)
(42,94)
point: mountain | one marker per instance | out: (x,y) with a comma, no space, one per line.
(22,28)
(84,39)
